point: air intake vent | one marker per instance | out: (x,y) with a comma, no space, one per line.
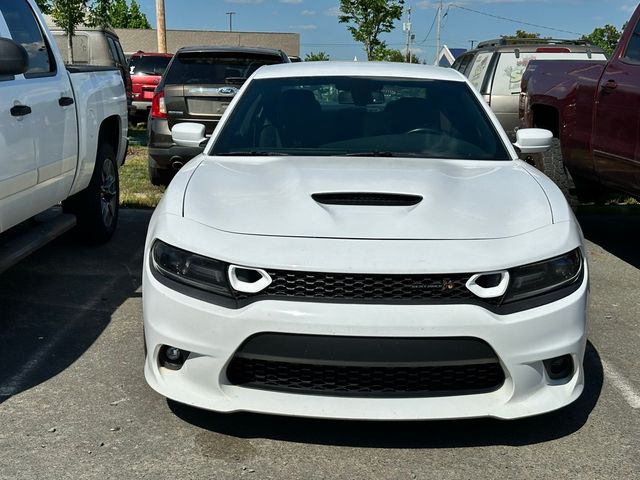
(367,199)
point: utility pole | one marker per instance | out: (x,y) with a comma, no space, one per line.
(161,27)
(472,42)
(407,28)
(438,32)
(231,14)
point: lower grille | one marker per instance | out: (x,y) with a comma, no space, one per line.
(365,381)
(366,366)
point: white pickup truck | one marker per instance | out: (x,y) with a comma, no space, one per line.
(63,137)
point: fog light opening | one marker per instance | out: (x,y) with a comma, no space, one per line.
(559,368)
(172,358)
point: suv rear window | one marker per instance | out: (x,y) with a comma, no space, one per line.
(148,65)
(216,67)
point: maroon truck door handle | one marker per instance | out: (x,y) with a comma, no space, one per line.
(609,85)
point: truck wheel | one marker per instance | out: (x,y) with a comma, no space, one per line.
(159,176)
(97,206)
(550,163)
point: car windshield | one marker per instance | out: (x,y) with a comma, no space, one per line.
(363,116)
(216,67)
(148,65)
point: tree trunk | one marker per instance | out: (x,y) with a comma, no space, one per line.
(70,48)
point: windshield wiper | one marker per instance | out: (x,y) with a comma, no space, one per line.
(252,153)
(372,154)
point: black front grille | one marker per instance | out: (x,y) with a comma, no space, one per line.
(364,287)
(366,366)
(366,381)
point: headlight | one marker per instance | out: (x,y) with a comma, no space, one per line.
(190,269)
(542,277)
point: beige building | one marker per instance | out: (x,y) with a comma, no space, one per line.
(133,40)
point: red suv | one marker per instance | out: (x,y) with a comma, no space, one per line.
(146,70)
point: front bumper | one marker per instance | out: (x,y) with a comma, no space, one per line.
(212,333)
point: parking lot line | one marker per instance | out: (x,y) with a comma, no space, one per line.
(623,386)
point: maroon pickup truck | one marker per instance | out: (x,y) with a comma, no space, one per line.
(593,110)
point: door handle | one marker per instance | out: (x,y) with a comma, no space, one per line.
(20,110)
(609,85)
(65,101)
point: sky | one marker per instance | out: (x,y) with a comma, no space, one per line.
(317,21)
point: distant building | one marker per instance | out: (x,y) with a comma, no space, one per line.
(447,56)
(133,40)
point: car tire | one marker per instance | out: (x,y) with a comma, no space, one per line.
(97,206)
(550,163)
(159,176)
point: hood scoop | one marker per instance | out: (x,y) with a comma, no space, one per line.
(367,199)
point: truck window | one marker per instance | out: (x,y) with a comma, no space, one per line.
(479,69)
(462,63)
(510,69)
(24,29)
(632,52)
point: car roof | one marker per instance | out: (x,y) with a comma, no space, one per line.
(228,49)
(151,54)
(364,69)
(529,45)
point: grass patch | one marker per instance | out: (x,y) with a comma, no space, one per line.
(136,190)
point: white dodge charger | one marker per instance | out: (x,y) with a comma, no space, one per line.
(361,241)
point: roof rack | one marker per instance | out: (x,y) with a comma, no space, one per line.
(531,41)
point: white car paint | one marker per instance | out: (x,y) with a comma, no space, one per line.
(50,154)
(476,217)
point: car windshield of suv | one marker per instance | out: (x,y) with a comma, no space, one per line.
(148,65)
(216,68)
(360,116)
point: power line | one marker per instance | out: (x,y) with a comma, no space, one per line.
(513,20)
(430,29)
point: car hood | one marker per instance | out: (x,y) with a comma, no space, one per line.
(458,199)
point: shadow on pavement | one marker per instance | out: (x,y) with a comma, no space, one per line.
(57,302)
(431,434)
(615,229)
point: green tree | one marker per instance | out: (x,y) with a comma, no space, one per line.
(44,6)
(99,13)
(383,54)
(316,57)
(68,14)
(606,37)
(119,14)
(523,34)
(368,19)
(137,19)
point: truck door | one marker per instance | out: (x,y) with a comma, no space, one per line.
(18,170)
(46,90)
(617,118)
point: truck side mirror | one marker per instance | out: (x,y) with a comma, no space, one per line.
(533,140)
(15,59)
(188,134)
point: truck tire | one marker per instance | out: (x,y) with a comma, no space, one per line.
(159,176)
(96,207)
(550,163)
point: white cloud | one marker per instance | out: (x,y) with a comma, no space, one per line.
(308,13)
(244,1)
(332,12)
(291,1)
(628,8)
(303,27)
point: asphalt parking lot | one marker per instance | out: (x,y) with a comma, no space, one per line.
(74,403)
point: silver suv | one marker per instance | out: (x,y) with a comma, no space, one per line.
(495,68)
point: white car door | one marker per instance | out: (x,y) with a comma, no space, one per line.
(18,169)
(48,93)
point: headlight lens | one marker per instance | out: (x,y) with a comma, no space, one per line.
(190,269)
(542,277)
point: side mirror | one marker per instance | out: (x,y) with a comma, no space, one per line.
(533,140)
(14,58)
(188,134)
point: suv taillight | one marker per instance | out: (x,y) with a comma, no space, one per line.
(158,107)
(553,50)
